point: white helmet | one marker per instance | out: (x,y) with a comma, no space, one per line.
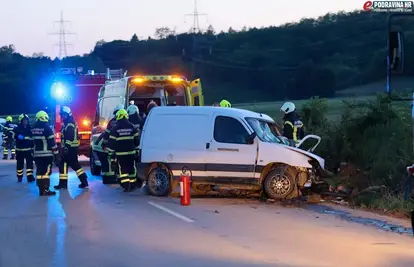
(66,110)
(118,107)
(288,107)
(132,109)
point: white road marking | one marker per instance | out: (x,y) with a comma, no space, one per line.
(182,217)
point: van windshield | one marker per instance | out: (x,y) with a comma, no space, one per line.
(264,131)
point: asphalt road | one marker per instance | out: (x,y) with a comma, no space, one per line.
(102,227)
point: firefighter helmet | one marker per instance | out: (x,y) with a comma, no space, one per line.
(65,110)
(121,114)
(42,116)
(288,107)
(225,104)
(23,116)
(9,119)
(117,108)
(132,109)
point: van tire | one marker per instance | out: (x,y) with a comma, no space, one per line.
(159,182)
(280,183)
(95,170)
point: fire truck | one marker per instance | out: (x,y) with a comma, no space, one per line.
(79,91)
(164,90)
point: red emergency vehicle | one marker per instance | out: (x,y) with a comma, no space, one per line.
(79,91)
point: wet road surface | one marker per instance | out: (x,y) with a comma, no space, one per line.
(103,227)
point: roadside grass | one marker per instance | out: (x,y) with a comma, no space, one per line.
(336,106)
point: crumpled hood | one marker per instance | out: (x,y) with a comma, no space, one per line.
(309,154)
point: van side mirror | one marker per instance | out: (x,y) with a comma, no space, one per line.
(250,138)
(396,52)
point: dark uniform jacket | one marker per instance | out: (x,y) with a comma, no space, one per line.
(70,134)
(123,139)
(293,127)
(7,132)
(44,140)
(102,141)
(24,138)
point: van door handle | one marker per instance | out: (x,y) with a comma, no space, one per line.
(207,145)
(228,149)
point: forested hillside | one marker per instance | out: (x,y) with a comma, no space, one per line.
(296,60)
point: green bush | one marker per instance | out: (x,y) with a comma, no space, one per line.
(375,136)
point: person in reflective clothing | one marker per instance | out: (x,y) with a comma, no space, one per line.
(45,150)
(70,146)
(24,148)
(134,117)
(8,140)
(123,143)
(99,146)
(224,103)
(292,126)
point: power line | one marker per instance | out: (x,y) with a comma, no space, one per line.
(195,28)
(62,37)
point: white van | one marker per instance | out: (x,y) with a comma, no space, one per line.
(221,147)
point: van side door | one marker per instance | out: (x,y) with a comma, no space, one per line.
(228,154)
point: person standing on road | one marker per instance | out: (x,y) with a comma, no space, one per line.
(292,126)
(24,148)
(123,143)
(134,117)
(224,103)
(99,146)
(70,146)
(45,151)
(8,140)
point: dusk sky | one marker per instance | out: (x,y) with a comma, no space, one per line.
(27,23)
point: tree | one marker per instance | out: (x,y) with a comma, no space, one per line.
(38,55)
(231,30)
(210,30)
(134,38)
(244,29)
(100,43)
(163,32)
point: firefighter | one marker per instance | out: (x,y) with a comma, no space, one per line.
(150,106)
(8,140)
(70,146)
(24,148)
(224,103)
(123,144)
(134,117)
(99,146)
(45,151)
(293,126)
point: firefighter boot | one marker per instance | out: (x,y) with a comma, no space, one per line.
(63,184)
(46,191)
(40,185)
(30,179)
(13,156)
(84,181)
(126,186)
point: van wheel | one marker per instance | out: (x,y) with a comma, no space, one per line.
(159,182)
(279,183)
(95,170)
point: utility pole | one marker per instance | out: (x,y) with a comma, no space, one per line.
(195,30)
(62,37)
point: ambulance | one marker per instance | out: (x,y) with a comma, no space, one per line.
(164,90)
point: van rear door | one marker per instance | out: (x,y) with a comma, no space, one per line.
(196,93)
